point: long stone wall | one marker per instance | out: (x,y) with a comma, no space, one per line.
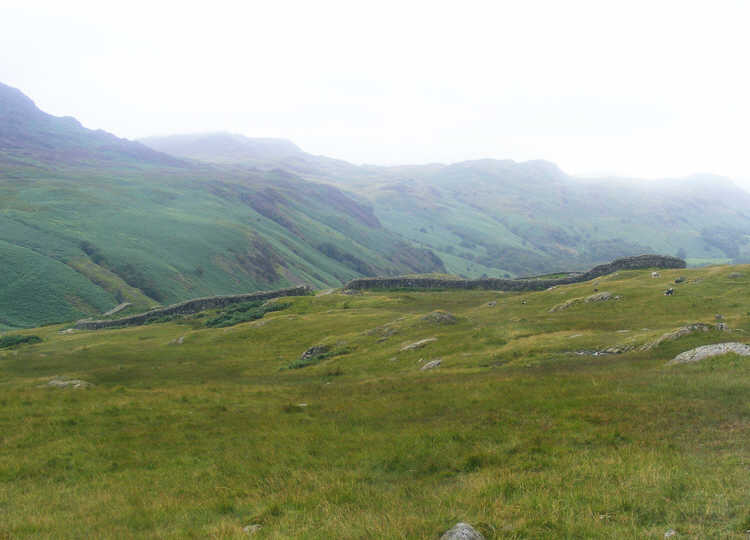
(529,284)
(191,306)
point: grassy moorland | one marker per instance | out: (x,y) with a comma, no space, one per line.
(515,432)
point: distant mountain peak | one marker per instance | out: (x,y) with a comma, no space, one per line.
(536,171)
(224,147)
(13,100)
(29,134)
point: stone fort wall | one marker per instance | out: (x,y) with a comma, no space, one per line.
(529,284)
(191,306)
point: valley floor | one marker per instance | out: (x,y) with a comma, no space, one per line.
(538,423)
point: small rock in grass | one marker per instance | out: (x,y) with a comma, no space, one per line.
(314,351)
(462,531)
(252,529)
(432,364)
(670,533)
(418,344)
(440,317)
(75,384)
(491,304)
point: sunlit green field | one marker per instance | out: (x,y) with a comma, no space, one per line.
(514,433)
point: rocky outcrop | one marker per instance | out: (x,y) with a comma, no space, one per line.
(192,306)
(75,384)
(677,334)
(530,284)
(707,351)
(596,297)
(314,351)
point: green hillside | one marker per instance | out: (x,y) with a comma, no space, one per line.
(501,217)
(534,218)
(88,220)
(541,421)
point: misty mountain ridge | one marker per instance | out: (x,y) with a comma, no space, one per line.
(534,217)
(231,148)
(88,220)
(222,147)
(35,137)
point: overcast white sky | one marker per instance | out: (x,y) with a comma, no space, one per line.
(639,88)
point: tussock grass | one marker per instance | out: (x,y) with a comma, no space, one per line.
(512,433)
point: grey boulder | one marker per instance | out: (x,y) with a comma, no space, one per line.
(707,351)
(431,365)
(462,531)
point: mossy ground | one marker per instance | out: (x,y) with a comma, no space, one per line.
(514,433)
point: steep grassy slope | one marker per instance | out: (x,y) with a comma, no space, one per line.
(496,217)
(88,220)
(521,431)
(42,289)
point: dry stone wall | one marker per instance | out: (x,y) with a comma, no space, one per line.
(192,306)
(498,284)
